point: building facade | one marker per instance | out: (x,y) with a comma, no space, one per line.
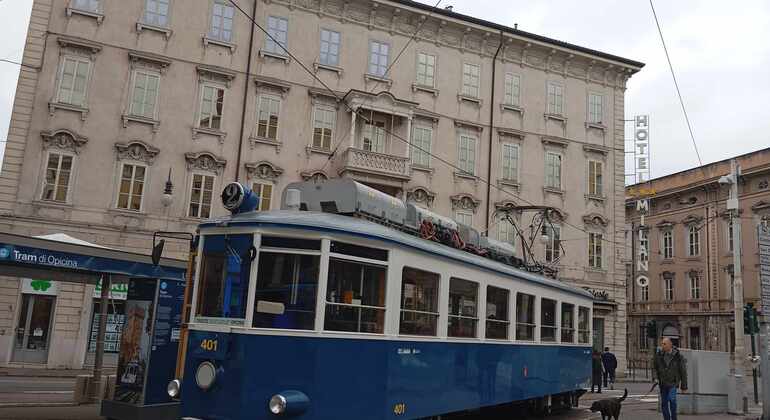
(690,247)
(117,98)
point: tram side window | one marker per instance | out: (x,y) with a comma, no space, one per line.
(547,320)
(525,317)
(463,301)
(497,313)
(286,290)
(419,302)
(224,280)
(567,323)
(583,324)
(355,297)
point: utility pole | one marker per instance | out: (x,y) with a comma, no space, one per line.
(736,386)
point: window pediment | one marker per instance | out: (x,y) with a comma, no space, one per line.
(263,170)
(148,61)
(272,84)
(665,225)
(692,219)
(315,176)
(215,74)
(137,150)
(63,140)
(465,202)
(421,195)
(78,46)
(205,161)
(596,220)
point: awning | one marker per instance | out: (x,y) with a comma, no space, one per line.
(78,261)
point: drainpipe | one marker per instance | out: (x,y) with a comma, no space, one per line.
(491,134)
(246,93)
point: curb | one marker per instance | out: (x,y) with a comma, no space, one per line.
(38,404)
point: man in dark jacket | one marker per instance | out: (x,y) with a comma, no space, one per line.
(610,363)
(596,371)
(670,370)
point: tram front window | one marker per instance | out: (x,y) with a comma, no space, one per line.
(224,279)
(287,281)
(355,297)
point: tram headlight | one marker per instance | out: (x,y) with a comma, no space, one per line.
(289,403)
(206,375)
(277,404)
(173,388)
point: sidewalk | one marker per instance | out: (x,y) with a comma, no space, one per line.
(50,373)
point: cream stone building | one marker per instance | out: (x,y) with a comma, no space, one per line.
(689,239)
(116,98)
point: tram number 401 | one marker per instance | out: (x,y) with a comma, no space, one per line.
(399,409)
(209,345)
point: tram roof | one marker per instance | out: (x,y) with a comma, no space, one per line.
(364,228)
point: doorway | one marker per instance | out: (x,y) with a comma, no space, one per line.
(598,334)
(33,331)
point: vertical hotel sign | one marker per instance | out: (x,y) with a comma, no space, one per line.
(642,148)
(643,258)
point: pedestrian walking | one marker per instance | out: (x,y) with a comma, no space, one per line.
(670,371)
(610,363)
(596,371)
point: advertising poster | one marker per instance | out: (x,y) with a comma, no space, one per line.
(135,346)
(165,340)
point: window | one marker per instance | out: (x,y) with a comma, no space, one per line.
(87,5)
(222,21)
(224,280)
(584,323)
(695,338)
(131,187)
(730,234)
(505,231)
(426,68)
(668,244)
(595,178)
(510,163)
(211,107)
(693,241)
(497,313)
(525,317)
(595,108)
(156,12)
(419,302)
(467,154)
(595,250)
(421,143)
(567,323)
(553,244)
(555,99)
(73,81)
(287,284)
(200,196)
(265,194)
(644,342)
(668,287)
(373,136)
(694,285)
(547,320)
(512,89)
(644,293)
(145,94)
(378,58)
(463,303)
(355,297)
(553,170)
(324,119)
(277,29)
(471,80)
(464,217)
(58,172)
(330,48)
(267,119)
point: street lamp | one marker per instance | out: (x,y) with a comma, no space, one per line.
(167,197)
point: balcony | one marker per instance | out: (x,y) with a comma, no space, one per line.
(680,307)
(375,167)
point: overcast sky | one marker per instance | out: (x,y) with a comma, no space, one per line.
(719,51)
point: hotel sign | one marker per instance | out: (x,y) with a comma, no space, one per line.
(643,257)
(642,148)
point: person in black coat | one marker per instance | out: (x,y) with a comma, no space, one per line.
(610,363)
(596,370)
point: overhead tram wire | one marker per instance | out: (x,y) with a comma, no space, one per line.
(676,84)
(396,136)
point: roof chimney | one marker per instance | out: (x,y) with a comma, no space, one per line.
(450,7)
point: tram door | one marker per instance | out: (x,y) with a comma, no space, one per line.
(33,331)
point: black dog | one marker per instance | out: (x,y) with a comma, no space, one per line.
(609,407)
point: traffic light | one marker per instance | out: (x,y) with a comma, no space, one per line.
(652,329)
(750,319)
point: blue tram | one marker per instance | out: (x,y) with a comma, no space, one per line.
(309,313)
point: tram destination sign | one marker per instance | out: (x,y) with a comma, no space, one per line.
(763,236)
